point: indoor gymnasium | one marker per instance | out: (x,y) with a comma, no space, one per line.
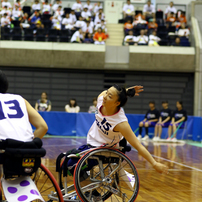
(101,101)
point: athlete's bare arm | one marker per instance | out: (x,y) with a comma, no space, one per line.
(37,121)
(127,132)
(36,106)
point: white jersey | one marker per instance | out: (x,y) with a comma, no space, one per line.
(102,132)
(14,121)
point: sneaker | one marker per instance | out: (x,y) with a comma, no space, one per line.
(158,138)
(145,138)
(174,139)
(139,137)
(168,139)
(154,138)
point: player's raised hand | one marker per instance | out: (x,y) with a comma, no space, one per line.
(161,168)
(138,89)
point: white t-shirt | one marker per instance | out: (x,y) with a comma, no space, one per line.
(150,9)
(72,109)
(142,39)
(101,132)
(153,39)
(88,29)
(46,8)
(77,7)
(55,7)
(96,9)
(97,21)
(5,21)
(6,11)
(128,8)
(170,9)
(85,15)
(68,23)
(73,18)
(59,15)
(90,7)
(80,24)
(36,7)
(16,13)
(8,4)
(129,37)
(183,32)
(14,120)
(103,27)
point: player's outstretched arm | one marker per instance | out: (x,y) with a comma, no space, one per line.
(37,121)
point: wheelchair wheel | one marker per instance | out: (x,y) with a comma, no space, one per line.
(108,174)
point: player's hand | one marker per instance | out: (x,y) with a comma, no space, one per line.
(138,89)
(161,168)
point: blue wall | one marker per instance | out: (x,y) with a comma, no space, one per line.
(70,124)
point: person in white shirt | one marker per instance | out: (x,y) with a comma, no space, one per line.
(89,6)
(72,16)
(77,7)
(128,9)
(56,22)
(98,19)
(16,116)
(46,8)
(59,13)
(102,25)
(55,6)
(20,3)
(170,9)
(153,39)
(100,12)
(88,28)
(6,3)
(149,10)
(72,107)
(142,39)
(25,22)
(16,13)
(5,10)
(130,39)
(97,7)
(67,22)
(183,31)
(80,24)
(5,21)
(85,13)
(36,6)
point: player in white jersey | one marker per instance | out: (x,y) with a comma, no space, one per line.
(16,114)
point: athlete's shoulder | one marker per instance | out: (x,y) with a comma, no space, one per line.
(9,95)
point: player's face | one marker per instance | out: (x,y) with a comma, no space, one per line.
(178,105)
(165,105)
(110,99)
(151,105)
(72,102)
(43,96)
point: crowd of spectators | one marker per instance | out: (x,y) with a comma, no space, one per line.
(83,23)
(154,28)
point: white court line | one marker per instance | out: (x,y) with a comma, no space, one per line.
(173,162)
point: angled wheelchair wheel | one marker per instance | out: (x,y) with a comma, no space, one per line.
(106,173)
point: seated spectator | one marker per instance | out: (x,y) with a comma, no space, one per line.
(56,22)
(170,9)
(5,20)
(164,121)
(85,13)
(36,6)
(153,39)
(25,21)
(6,10)
(130,39)
(88,39)
(59,13)
(99,37)
(170,21)
(67,22)
(152,24)
(89,6)
(102,25)
(183,31)
(179,117)
(139,21)
(55,6)
(89,28)
(98,20)
(80,24)
(142,39)
(149,10)
(6,3)
(100,11)
(77,37)
(36,20)
(72,107)
(20,3)
(177,42)
(93,108)
(43,104)
(72,16)
(77,7)
(46,8)
(150,120)
(97,7)
(128,26)
(16,13)
(128,9)
(181,19)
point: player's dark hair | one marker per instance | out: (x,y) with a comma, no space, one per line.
(181,103)
(3,82)
(152,102)
(123,95)
(94,99)
(165,101)
(75,104)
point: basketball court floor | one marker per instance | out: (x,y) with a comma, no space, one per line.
(182,184)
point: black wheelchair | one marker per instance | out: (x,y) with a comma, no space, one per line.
(19,159)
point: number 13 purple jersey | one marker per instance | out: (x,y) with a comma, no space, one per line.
(101,132)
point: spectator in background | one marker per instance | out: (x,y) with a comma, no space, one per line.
(142,39)
(85,13)
(99,37)
(89,28)
(98,19)
(102,26)
(5,20)
(72,16)
(77,37)
(72,107)
(80,24)
(16,13)
(56,22)
(36,20)
(152,25)
(25,21)
(182,19)
(97,7)
(67,22)
(153,39)
(55,6)
(6,10)
(46,8)
(179,118)
(183,31)
(128,26)
(164,120)
(170,9)
(130,39)
(171,19)
(59,13)
(88,39)
(150,120)
(77,7)
(177,42)
(128,9)
(6,3)
(139,21)
(20,3)
(100,12)
(36,6)
(43,104)
(149,10)
(93,108)
(89,6)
